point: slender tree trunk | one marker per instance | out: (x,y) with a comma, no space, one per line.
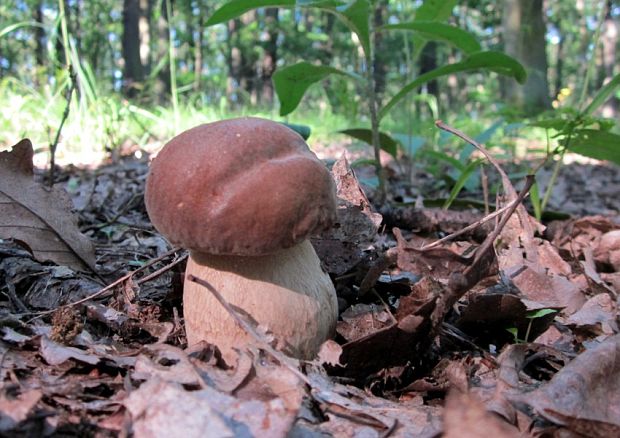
(249,63)
(198,46)
(559,66)
(39,37)
(145,31)
(382,52)
(132,72)
(233,59)
(524,38)
(75,28)
(428,62)
(609,40)
(270,57)
(162,82)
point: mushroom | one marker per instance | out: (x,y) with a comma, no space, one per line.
(244,195)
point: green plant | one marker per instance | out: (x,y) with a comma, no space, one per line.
(577,129)
(531,316)
(291,82)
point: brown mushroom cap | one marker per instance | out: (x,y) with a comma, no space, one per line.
(244,186)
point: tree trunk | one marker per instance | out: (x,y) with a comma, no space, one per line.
(203,11)
(162,82)
(609,42)
(270,57)
(381,51)
(133,72)
(233,59)
(39,37)
(428,62)
(524,39)
(145,29)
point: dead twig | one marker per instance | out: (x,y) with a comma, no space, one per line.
(511,192)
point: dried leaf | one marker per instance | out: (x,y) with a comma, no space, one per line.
(15,410)
(342,247)
(584,396)
(164,409)
(466,417)
(41,218)
(56,354)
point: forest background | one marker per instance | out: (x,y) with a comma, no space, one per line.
(139,71)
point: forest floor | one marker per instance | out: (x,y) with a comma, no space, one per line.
(523,340)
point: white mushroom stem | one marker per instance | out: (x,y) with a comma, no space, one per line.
(286,293)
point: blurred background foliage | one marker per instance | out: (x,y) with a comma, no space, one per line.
(144,70)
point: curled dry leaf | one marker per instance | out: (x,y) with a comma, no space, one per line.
(584,396)
(41,218)
(342,247)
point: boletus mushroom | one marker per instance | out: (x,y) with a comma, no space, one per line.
(244,195)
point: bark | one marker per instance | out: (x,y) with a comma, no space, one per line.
(162,81)
(199,45)
(381,52)
(133,72)
(559,65)
(233,59)
(609,43)
(145,30)
(39,50)
(524,39)
(270,57)
(428,62)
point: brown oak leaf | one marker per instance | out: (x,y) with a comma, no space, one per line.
(38,216)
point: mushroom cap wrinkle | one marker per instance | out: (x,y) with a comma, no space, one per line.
(245,186)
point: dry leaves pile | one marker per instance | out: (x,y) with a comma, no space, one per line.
(509,331)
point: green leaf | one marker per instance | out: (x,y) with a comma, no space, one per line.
(460,183)
(235,8)
(536,201)
(388,144)
(303,130)
(442,156)
(292,82)
(603,94)
(435,10)
(356,17)
(11,27)
(431,10)
(436,31)
(489,60)
(556,123)
(539,313)
(593,143)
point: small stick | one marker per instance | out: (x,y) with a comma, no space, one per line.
(505,180)
(161,270)
(469,227)
(484,181)
(280,357)
(489,241)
